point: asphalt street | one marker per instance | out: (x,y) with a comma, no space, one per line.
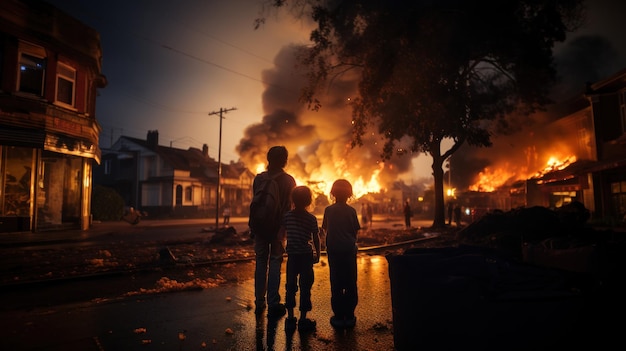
(218,318)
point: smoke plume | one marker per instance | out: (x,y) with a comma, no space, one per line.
(319,142)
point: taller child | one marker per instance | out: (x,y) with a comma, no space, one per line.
(341,225)
(269,247)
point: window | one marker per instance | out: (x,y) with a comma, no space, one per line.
(150,166)
(188,194)
(107,167)
(66,78)
(32,70)
(618,195)
(179,195)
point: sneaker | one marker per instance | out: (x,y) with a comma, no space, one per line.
(290,324)
(276,311)
(306,325)
(337,322)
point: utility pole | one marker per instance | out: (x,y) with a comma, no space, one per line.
(219,165)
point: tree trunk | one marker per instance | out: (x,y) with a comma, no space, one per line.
(440,216)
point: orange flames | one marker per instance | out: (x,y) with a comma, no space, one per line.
(491,179)
(322,183)
(554,164)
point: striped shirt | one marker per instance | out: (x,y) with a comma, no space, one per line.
(300,226)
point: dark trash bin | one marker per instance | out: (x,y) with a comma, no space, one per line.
(468,298)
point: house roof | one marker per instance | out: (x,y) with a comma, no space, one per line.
(610,84)
(192,160)
(582,167)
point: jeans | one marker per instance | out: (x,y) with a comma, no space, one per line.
(269,259)
(299,272)
(343,287)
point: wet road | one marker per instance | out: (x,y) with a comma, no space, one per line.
(210,319)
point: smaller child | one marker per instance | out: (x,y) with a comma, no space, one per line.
(341,225)
(302,237)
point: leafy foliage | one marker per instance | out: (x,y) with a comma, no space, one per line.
(106,204)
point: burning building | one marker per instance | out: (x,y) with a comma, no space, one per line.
(580,155)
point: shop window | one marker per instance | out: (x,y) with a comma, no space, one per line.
(59,188)
(66,81)
(15,176)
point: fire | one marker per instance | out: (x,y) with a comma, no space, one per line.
(360,186)
(322,183)
(554,164)
(491,179)
(260,168)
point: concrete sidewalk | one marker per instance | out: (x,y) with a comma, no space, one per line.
(215,319)
(99,229)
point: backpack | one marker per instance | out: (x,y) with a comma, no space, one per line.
(265,208)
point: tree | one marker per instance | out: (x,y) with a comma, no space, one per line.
(435,70)
(106,204)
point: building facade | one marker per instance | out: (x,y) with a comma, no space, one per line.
(170,182)
(50,70)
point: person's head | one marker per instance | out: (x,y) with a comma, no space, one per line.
(341,190)
(277,157)
(301,197)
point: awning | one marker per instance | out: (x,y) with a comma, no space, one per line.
(22,137)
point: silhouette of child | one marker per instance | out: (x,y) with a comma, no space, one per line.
(302,237)
(341,225)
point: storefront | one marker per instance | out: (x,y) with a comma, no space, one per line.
(43,190)
(50,71)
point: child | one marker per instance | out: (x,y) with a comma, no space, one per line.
(302,236)
(341,225)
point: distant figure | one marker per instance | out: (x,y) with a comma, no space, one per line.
(450,210)
(302,237)
(370,215)
(341,224)
(457,215)
(364,218)
(407,214)
(226,215)
(268,245)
